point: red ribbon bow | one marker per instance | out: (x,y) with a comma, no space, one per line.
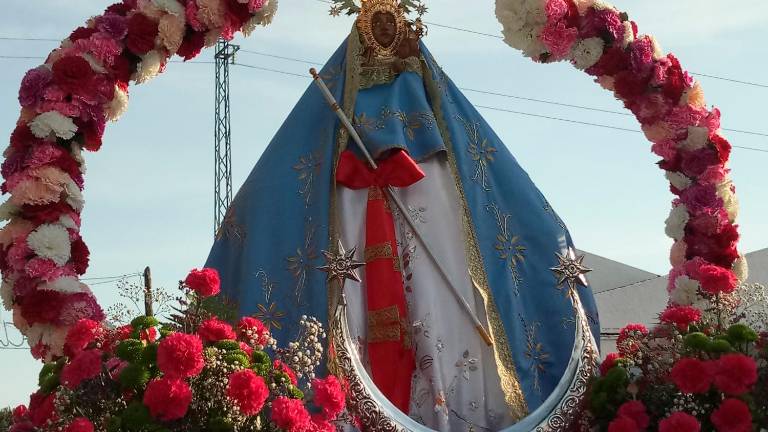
(398,170)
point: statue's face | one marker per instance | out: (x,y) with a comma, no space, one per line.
(384,28)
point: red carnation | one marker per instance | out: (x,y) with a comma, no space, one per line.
(609,363)
(41,306)
(73,74)
(205,282)
(82,334)
(723,147)
(613,61)
(329,396)
(142,32)
(733,415)
(681,316)
(692,375)
(192,44)
(696,162)
(246,348)
(248,391)
(20,413)
(320,425)
(80,424)
(214,330)
(180,355)
(629,338)
(80,256)
(82,33)
(630,86)
(121,9)
(167,398)
(636,411)
(680,422)
(42,409)
(252,331)
(676,80)
(290,414)
(715,279)
(84,366)
(735,374)
(282,367)
(623,424)
(148,335)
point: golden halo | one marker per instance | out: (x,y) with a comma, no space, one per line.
(364,25)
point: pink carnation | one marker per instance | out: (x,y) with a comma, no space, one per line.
(214,330)
(180,355)
(733,415)
(556,10)
(84,366)
(692,375)
(329,396)
(680,422)
(248,391)
(246,348)
(80,424)
(290,414)
(253,331)
(623,424)
(205,282)
(681,316)
(558,38)
(78,306)
(636,411)
(82,334)
(715,279)
(167,398)
(114,25)
(735,374)
(700,197)
(641,54)
(33,86)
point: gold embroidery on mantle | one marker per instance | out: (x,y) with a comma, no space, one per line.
(510,383)
(386,325)
(375,194)
(382,251)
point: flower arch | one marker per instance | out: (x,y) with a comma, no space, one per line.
(603,42)
(65,105)
(66,102)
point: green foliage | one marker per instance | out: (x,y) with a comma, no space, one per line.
(134,376)
(697,341)
(144,322)
(149,355)
(720,346)
(219,424)
(6,418)
(114,424)
(47,370)
(609,392)
(295,393)
(237,357)
(50,383)
(228,345)
(130,350)
(135,417)
(741,333)
(260,357)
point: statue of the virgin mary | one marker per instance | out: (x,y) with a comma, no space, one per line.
(495,241)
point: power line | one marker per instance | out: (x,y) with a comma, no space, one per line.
(522,113)
(630,284)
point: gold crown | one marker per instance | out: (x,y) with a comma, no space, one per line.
(368,9)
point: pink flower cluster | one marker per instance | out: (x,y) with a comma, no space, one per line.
(671,109)
(65,106)
(731,374)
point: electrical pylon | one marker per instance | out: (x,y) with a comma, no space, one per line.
(225,55)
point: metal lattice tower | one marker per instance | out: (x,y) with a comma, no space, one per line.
(225,55)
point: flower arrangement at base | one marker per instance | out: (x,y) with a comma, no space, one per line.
(699,370)
(148,376)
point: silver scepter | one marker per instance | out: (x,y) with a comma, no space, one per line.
(390,191)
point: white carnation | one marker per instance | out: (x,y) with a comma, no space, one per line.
(741,269)
(676,222)
(66,285)
(587,52)
(149,67)
(20,322)
(602,5)
(730,202)
(171,6)
(629,34)
(118,105)
(584,5)
(6,294)
(686,291)
(698,137)
(94,62)
(658,53)
(74,195)
(679,181)
(53,122)
(7,211)
(67,222)
(52,242)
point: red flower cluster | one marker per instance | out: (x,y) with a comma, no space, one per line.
(280,366)
(180,355)
(629,338)
(80,424)
(205,282)
(733,415)
(692,375)
(84,366)
(631,417)
(248,391)
(329,396)
(609,363)
(681,316)
(680,422)
(252,330)
(214,330)
(715,280)
(167,398)
(290,415)
(735,374)
(81,335)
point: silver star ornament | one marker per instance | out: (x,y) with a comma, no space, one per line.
(341,265)
(571,270)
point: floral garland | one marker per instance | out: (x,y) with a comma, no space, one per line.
(65,104)
(670,106)
(705,366)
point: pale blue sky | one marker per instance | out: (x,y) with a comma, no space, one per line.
(149,191)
